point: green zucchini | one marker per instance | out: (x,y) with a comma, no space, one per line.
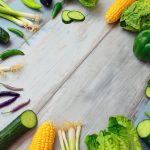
(76,16)
(65,17)
(147,114)
(23,123)
(4,36)
(143,130)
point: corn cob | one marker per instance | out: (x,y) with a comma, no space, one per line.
(114,12)
(44,137)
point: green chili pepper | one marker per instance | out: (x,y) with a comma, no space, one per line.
(9,53)
(141,46)
(56,9)
(19,33)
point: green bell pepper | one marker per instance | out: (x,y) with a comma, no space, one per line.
(141,46)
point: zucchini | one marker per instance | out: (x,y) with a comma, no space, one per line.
(143,130)
(23,123)
(76,16)
(4,36)
(65,17)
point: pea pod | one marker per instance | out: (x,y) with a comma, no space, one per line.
(32,4)
(19,33)
(9,53)
(56,9)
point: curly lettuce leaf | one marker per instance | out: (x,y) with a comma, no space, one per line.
(91,142)
(128,131)
(136,17)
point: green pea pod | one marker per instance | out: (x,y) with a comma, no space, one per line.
(32,4)
(56,9)
(19,33)
(9,53)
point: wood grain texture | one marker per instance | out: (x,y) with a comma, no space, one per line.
(110,81)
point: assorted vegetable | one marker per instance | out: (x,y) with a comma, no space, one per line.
(4,36)
(120,134)
(9,53)
(147,90)
(23,123)
(136,17)
(12,88)
(89,3)
(56,9)
(19,33)
(18,107)
(32,4)
(116,9)
(44,137)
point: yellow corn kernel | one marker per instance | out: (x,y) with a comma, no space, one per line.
(114,12)
(44,137)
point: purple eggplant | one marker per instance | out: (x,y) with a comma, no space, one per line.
(8,93)
(8,102)
(46,3)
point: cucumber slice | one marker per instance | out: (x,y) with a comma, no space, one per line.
(76,16)
(147,92)
(143,130)
(65,17)
(23,123)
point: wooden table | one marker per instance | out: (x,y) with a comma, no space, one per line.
(81,71)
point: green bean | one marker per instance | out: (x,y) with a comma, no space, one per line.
(56,9)
(19,33)
(9,53)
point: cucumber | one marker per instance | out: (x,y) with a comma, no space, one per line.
(23,123)
(76,16)
(65,17)
(143,130)
(147,92)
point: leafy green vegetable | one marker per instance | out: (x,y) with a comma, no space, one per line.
(119,135)
(91,142)
(88,3)
(137,17)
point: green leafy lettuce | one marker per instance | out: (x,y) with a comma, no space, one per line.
(136,17)
(119,135)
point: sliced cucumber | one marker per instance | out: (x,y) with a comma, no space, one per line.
(23,123)
(147,92)
(76,16)
(65,17)
(143,130)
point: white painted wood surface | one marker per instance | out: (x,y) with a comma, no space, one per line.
(81,71)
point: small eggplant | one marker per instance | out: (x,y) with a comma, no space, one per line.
(9,93)
(8,102)
(46,3)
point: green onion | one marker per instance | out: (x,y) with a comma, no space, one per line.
(78,132)
(61,140)
(18,13)
(72,139)
(65,140)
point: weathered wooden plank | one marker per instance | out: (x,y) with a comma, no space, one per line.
(109,82)
(56,51)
